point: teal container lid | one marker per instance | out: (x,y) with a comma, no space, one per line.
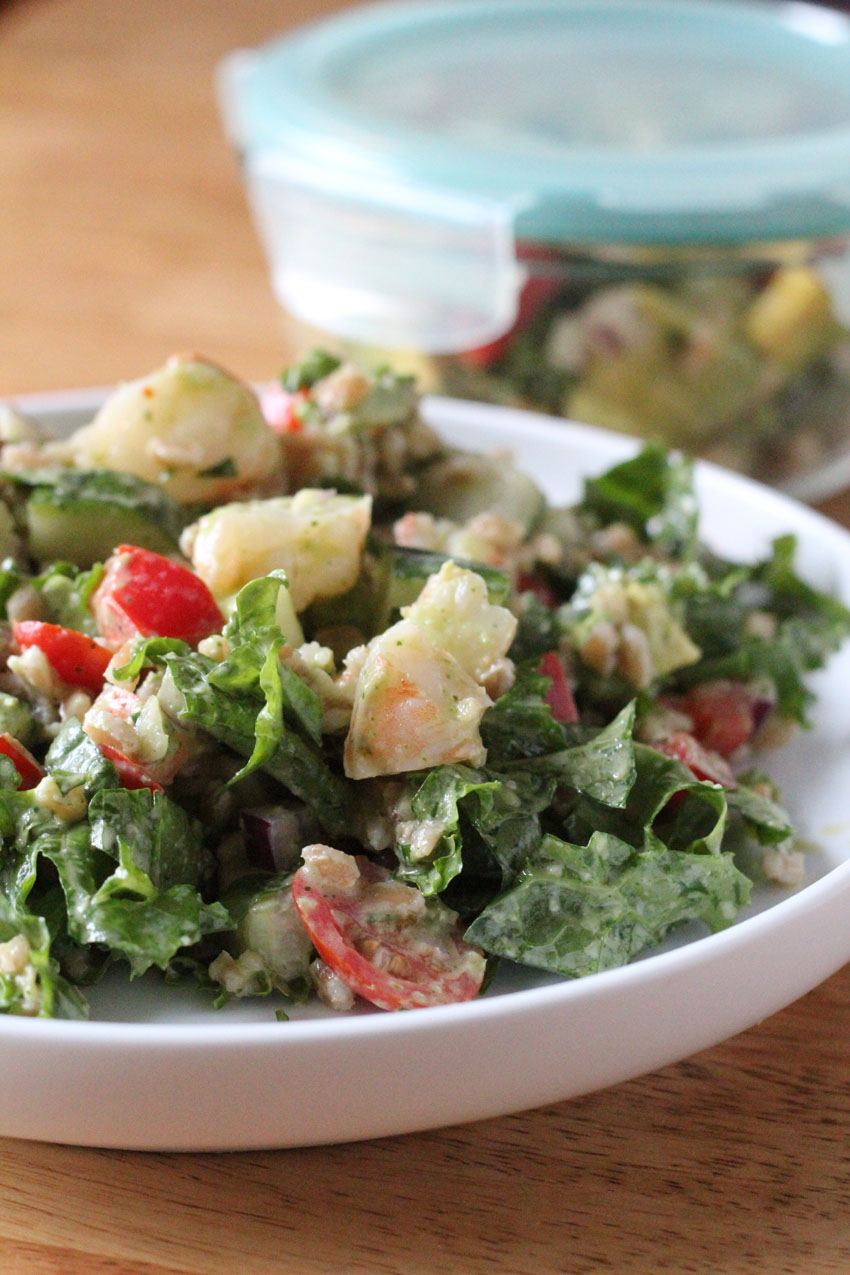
(464,126)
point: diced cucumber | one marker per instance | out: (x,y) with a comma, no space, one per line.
(390,401)
(80,516)
(461,486)
(412,567)
(17,719)
(392,577)
(9,541)
(86,532)
(364,606)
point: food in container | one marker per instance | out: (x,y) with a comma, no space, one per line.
(635,215)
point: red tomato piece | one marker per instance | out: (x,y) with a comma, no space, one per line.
(559,696)
(76,658)
(131,774)
(117,704)
(23,761)
(534,294)
(389,960)
(528,582)
(724,714)
(281,408)
(702,762)
(144,594)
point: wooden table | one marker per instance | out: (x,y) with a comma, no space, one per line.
(124,236)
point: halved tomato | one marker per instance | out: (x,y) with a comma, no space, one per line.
(77,659)
(380,937)
(281,408)
(544,592)
(702,762)
(143,594)
(724,714)
(131,774)
(22,759)
(559,696)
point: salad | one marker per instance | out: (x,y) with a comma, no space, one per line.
(748,366)
(296,698)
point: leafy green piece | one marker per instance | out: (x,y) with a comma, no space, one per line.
(163,841)
(764,817)
(470,820)
(654,494)
(507,822)
(576,909)
(435,806)
(39,988)
(817,622)
(312,367)
(520,723)
(231,719)
(150,931)
(664,799)
(116,905)
(146,652)
(253,666)
(603,767)
(73,758)
(810,626)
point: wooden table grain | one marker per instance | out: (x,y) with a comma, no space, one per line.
(124,236)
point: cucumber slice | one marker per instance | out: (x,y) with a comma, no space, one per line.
(80,516)
(391,577)
(412,567)
(17,718)
(462,485)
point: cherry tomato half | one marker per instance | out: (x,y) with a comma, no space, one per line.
(23,761)
(76,658)
(724,714)
(131,774)
(531,582)
(534,294)
(559,697)
(702,762)
(367,936)
(114,706)
(144,594)
(281,408)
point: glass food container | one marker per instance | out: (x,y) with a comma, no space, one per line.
(633,213)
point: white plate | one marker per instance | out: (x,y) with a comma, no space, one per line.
(156,1069)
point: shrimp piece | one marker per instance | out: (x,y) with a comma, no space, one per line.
(190,427)
(146,747)
(415,707)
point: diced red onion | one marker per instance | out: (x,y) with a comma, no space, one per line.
(272,836)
